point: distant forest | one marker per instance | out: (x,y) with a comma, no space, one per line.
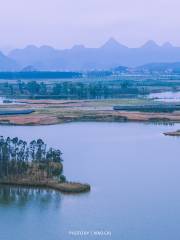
(89,85)
(38,75)
(69,89)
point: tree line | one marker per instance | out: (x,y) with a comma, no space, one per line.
(70,89)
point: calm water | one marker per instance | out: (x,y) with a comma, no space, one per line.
(166,96)
(134,172)
(13,101)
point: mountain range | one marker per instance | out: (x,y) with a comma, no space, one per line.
(80,58)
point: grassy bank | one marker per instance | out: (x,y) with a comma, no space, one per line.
(66,187)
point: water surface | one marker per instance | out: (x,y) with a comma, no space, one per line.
(134,171)
(166,96)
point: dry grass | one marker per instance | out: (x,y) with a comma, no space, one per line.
(67,187)
(60,111)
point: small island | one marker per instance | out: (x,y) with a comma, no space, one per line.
(175,133)
(34,165)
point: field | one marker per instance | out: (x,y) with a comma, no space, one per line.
(62,111)
(86,99)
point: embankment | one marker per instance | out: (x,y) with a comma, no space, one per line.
(66,187)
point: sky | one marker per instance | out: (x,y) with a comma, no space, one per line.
(63,23)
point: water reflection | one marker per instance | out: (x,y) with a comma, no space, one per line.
(134,173)
(21,196)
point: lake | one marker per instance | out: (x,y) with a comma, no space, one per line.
(134,171)
(9,101)
(165,96)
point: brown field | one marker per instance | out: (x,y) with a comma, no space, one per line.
(61,111)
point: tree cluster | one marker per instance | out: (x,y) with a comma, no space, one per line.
(70,89)
(34,160)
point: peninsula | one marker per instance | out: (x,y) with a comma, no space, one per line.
(34,165)
(174,133)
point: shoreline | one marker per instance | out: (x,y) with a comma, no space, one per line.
(106,116)
(66,187)
(173,134)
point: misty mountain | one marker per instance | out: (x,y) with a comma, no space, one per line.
(110,55)
(7,63)
(42,58)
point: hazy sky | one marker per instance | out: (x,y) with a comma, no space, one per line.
(62,23)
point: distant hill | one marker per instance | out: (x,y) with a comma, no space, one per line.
(121,69)
(160,68)
(79,58)
(7,63)
(29,68)
(43,58)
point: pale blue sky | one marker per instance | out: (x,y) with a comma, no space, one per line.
(62,23)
